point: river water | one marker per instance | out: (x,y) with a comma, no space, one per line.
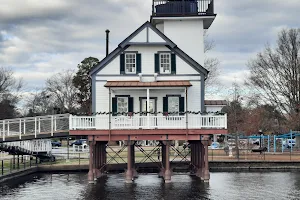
(228,186)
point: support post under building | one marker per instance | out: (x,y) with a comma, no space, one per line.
(130,160)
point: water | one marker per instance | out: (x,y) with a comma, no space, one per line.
(227,186)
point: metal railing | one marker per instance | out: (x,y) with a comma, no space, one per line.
(182,7)
(249,155)
(34,126)
(101,122)
(32,145)
(17,163)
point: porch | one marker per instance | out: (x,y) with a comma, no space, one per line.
(150,104)
(188,121)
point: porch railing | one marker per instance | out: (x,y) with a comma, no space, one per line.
(182,7)
(101,122)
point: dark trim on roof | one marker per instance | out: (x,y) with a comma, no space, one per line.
(169,44)
(107,60)
(147,24)
(189,60)
(215,102)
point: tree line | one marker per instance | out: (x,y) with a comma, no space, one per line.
(64,92)
(273,85)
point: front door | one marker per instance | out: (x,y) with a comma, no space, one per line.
(151,106)
(152,110)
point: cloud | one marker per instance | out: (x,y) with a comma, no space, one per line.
(39,38)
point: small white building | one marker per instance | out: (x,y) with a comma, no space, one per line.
(213,106)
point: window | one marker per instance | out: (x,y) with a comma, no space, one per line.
(122,104)
(165,63)
(173,105)
(130,63)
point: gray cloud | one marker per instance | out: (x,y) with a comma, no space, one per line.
(39,38)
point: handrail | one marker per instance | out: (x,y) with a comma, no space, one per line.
(33,126)
(148,122)
(182,7)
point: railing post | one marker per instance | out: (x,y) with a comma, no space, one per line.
(18,162)
(225,120)
(20,128)
(39,125)
(3,131)
(52,125)
(2,167)
(70,122)
(148,108)
(24,127)
(35,127)
(10,165)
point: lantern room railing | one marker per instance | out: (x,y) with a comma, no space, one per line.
(165,8)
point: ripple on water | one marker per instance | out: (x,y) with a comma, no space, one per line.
(227,186)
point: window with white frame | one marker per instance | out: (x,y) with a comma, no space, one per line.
(122,104)
(173,105)
(130,63)
(165,63)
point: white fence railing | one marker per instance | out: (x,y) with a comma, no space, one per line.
(101,122)
(34,126)
(33,145)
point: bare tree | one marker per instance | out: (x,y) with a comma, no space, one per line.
(60,87)
(275,73)
(39,103)
(212,65)
(9,93)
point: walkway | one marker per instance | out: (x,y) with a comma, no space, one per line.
(29,128)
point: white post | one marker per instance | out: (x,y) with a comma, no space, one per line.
(52,125)
(70,122)
(39,125)
(148,108)
(20,128)
(7,128)
(35,127)
(225,120)
(24,127)
(3,130)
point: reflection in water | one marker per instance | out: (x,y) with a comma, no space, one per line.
(285,185)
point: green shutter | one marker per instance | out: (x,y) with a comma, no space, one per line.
(138,63)
(122,64)
(130,104)
(173,63)
(165,105)
(156,59)
(114,106)
(181,105)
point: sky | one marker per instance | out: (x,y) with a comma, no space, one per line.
(40,38)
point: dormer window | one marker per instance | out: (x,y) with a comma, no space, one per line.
(130,63)
(165,63)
